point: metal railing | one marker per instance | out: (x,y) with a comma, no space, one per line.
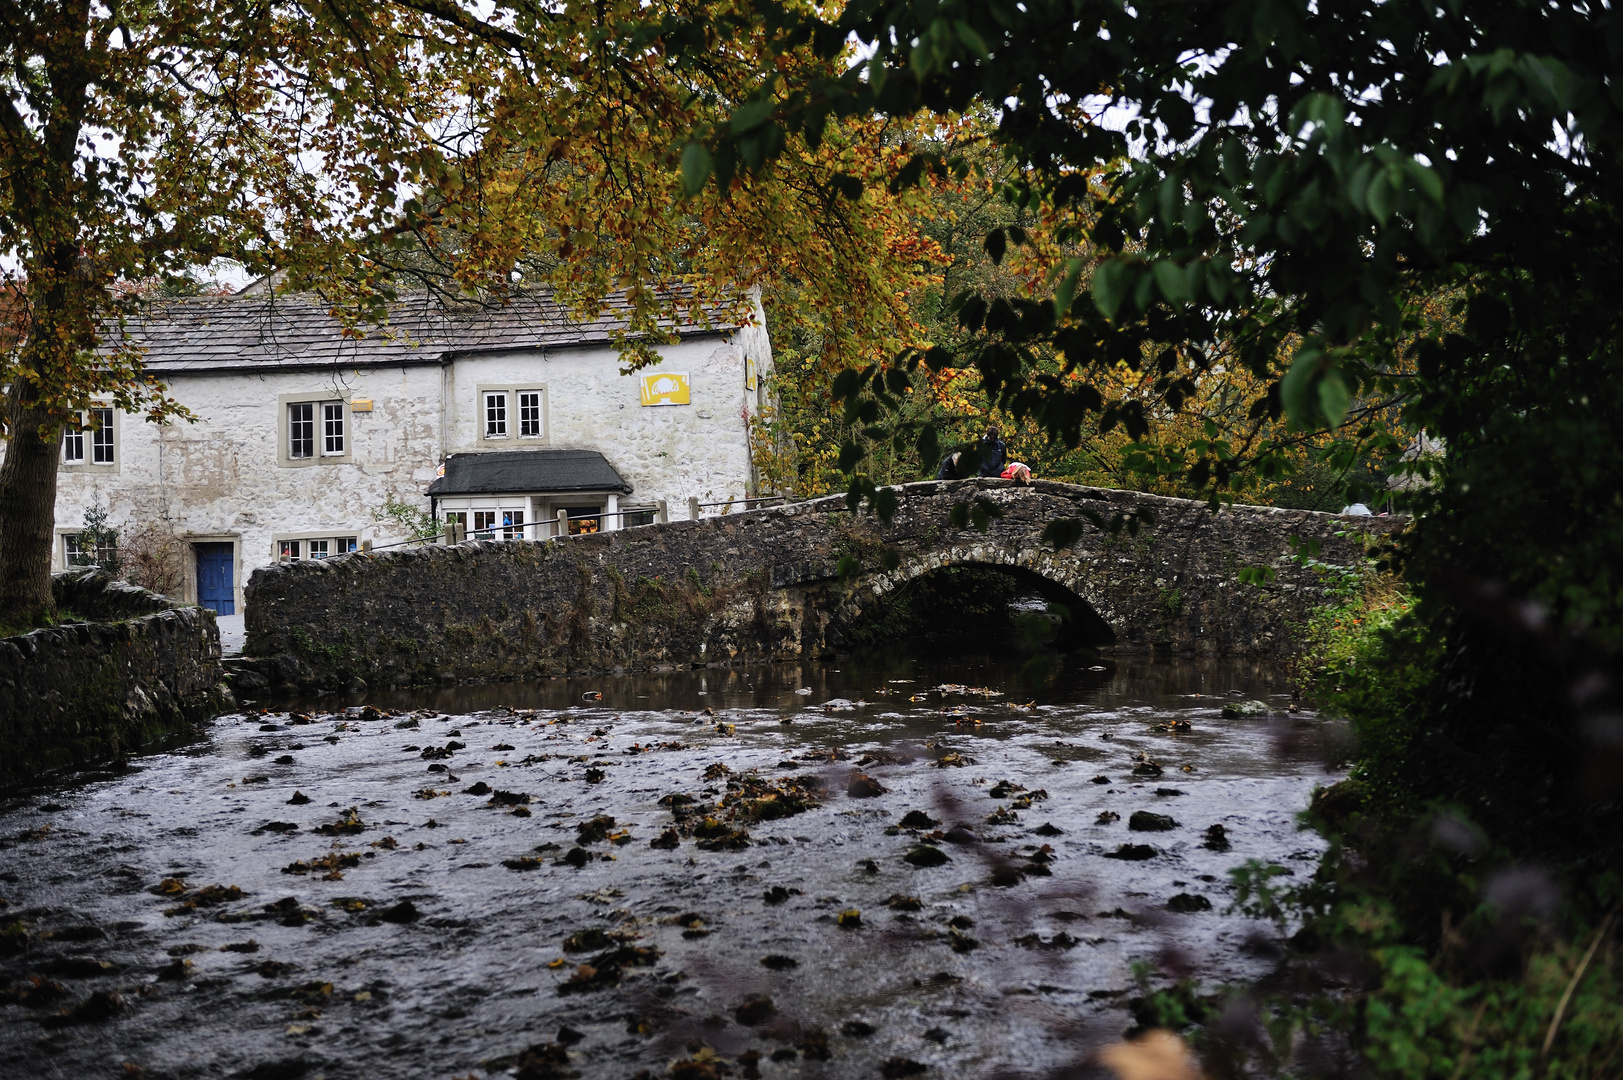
(659,514)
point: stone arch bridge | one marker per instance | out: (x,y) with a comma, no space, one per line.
(767,585)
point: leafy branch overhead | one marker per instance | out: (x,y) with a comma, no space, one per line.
(1248,187)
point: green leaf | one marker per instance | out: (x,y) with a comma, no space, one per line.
(1170,279)
(1061,533)
(1298,390)
(971,40)
(1381,198)
(695,167)
(884,503)
(751,115)
(1334,397)
(1110,284)
(996,244)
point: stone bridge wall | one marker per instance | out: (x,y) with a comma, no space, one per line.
(764,585)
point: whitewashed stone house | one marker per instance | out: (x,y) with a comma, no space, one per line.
(493,417)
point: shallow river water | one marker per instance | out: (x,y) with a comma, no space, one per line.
(427,884)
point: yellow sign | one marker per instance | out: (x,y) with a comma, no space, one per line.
(665,388)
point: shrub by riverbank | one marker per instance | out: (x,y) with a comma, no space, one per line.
(1425,946)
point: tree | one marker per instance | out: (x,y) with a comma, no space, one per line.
(143,142)
(362,149)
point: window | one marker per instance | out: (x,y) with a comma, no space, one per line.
(583,519)
(512,412)
(332,428)
(101,439)
(318,547)
(315,430)
(93,426)
(638,515)
(529,413)
(496,416)
(76,554)
(484,522)
(301,431)
(513,524)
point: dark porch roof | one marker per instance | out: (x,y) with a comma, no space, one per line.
(527,472)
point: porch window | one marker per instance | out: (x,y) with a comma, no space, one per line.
(584,519)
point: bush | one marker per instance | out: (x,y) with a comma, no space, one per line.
(154,557)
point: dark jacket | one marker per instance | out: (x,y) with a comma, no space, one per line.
(992,457)
(949,468)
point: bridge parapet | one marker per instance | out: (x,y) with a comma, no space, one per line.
(764,584)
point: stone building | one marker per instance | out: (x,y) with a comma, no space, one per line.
(495,417)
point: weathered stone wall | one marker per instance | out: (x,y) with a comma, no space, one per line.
(765,585)
(95,690)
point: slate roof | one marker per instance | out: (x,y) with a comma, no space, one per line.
(527,472)
(267,332)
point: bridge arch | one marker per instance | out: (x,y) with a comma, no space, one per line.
(1061,580)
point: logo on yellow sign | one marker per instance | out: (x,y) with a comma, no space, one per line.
(665,388)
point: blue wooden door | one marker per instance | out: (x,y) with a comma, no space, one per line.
(215,589)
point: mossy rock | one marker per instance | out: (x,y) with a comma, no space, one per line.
(1144,821)
(1246,710)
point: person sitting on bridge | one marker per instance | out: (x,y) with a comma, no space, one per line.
(1019,472)
(951,467)
(992,453)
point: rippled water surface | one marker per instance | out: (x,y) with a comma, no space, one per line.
(430,886)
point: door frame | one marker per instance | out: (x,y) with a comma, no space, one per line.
(235,540)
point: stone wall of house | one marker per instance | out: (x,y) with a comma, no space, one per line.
(141,668)
(766,585)
(221,479)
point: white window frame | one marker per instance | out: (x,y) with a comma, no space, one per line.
(77,435)
(627,510)
(326,409)
(338,541)
(66,541)
(493,410)
(333,429)
(513,420)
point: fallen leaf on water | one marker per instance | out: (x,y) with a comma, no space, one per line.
(1157,1055)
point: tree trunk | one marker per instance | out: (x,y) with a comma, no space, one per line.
(27,511)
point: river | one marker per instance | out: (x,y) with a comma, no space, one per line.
(715,867)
